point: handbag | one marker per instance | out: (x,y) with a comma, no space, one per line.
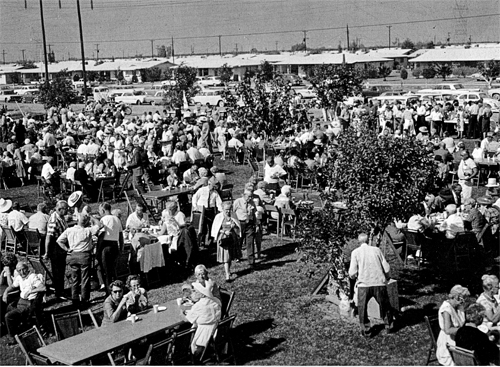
(226,242)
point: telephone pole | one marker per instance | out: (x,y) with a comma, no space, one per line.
(23,54)
(97,51)
(44,46)
(172,50)
(220,47)
(389,26)
(276,46)
(347,37)
(3,56)
(82,47)
(305,40)
(152,48)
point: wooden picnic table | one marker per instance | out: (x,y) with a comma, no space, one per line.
(165,194)
(91,344)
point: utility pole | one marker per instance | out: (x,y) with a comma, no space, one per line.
(172,50)
(152,48)
(23,54)
(220,48)
(82,50)
(97,51)
(305,40)
(276,46)
(3,56)
(389,26)
(123,54)
(236,49)
(44,46)
(347,37)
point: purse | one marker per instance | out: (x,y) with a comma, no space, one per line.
(226,242)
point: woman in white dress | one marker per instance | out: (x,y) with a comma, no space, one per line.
(119,152)
(451,317)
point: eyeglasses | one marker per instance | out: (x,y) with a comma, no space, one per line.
(118,291)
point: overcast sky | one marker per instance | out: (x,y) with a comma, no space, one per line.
(125,27)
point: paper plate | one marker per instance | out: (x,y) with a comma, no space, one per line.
(161,308)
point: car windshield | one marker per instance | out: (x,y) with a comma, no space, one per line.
(458,86)
(138,93)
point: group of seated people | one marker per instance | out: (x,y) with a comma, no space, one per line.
(470,325)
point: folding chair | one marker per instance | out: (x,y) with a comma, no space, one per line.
(461,250)
(432,323)
(107,187)
(462,357)
(288,219)
(158,354)
(197,219)
(271,209)
(39,266)
(68,324)
(96,316)
(181,351)
(40,186)
(33,241)
(29,342)
(220,343)
(226,193)
(231,151)
(227,301)
(414,241)
(11,240)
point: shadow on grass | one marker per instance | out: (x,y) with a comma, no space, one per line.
(247,349)
(280,251)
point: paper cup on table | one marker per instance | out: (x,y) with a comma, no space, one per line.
(133,318)
(155,308)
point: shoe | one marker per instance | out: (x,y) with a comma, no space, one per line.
(366,333)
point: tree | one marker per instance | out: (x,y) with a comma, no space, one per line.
(384,71)
(404,74)
(151,75)
(429,73)
(299,47)
(59,92)
(76,77)
(416,72)
(489,71)
(371,72)
(443,70)
(185,83)
(93,76)
(378,180)
(226,73)
(119,76)
(408,44)
(429,45)
(27,64)
(266,72)
(254,50)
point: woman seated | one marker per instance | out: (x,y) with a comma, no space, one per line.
(137,298)
(471,338)
(201,274)
(172,179)
(169,228)
(115,305)
(451,318)
(107,168)
(204,315)
(487,299)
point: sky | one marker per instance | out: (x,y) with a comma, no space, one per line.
(125,28)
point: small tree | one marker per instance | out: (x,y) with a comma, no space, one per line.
(429,45)
(151,75)
(226,73)
(119,76)
(266,72)
(443,70)
(489,71)
(185,83)
(404,74)
(429,73)
(59,92)
(384,72)
(299,47)
(407,43)
(416,72)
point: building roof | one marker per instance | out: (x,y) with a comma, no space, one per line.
(9,68)
(459,54)
(217,61)
(387,53)
(328,58)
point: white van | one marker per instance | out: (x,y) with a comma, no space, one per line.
(26,88)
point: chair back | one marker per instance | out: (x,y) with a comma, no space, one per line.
(433,328)
(461,356)
(183,167)
(158,354)
(29,342)
(197,220)
(462,245)
(40,268)
(412,238)
(181,352)
(96,316)
(221,342)
(68,324)
(33,241)
(227,301)
(200,162)
(226,193)
(10,237)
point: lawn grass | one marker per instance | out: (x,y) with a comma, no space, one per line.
(279,321)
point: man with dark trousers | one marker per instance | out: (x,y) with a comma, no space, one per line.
(245,210)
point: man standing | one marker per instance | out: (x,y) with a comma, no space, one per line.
(467,170)
(207,197)
(110,245)
(77,242)
(272,174)
(56,226)
(137,166)
(371,269)
(245,210)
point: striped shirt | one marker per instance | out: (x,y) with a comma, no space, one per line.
(56,226)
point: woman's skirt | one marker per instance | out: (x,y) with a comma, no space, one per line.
(232,252)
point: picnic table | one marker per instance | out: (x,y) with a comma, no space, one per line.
(91,344)
(159,195)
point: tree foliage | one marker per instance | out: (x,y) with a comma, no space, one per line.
(416,72)
(59,92)
(266,72)
(334,82)
(226,73)
(404,74)
(384,71)
(299,47)
(429,73)
(408,44)
(443,69)
(489,71)
(27,64)
(185,83)
(378,180)
(151,75)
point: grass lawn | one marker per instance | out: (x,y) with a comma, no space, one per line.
(279,322)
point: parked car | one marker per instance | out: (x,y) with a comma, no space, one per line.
(209,81)
(25,88)
(31,97)
(211,97)
(306,93)
(376,90)
(476,97)
(495,93)
(293,79)
(393,93)
(131,97)
(6,95)
(453,88)
(155,97)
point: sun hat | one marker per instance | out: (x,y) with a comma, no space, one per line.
(5,205)
(492,182)
(318,142)
(74,197)
(423,129)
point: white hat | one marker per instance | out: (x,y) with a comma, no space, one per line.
(5,205)
(74,197)
(492,182)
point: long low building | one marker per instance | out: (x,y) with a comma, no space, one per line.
(459,56)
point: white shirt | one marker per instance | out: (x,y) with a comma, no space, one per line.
(270,171)
(17,220)
(47,171)
(32,281)
(82,149)
(112,227)
(465,167)
(206,198)
(452,225)
(370,266)
(93,149)
(70,173)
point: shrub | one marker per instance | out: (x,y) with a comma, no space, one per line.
(416,72)
(404,74)
(429,73)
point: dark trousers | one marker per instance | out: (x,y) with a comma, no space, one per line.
(381,296)
(471,132)
(22,312)
(107,254)
(247,238)
(274,187)
(79,263)
(207,225)
(420,122)
(58,266)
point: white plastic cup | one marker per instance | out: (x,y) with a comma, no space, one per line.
(133,318)
(155,308)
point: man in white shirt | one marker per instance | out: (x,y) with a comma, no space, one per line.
(371,269)
(50,175)
(467,170)
(453,224)
(207,197)
(70,173)
(108,249)
(190,176)
(82,148)
(193,153)
(93,148)
(137,219)
(179,154)
(272,174)
(16,219)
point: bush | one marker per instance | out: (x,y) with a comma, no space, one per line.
(404,74)
(416,72)
(429,73)
(370,73)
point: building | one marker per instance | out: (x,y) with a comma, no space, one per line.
(8,73)
(457,55)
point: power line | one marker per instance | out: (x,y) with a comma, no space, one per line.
(275,32)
